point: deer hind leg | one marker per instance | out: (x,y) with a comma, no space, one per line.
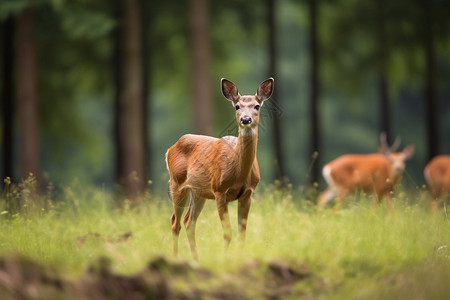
(179,199)
(222,208)
(436,204)
(331,192)
(325,197)
(196,205)
(437,199)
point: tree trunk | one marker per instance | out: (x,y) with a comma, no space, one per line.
(277,136)
(146,18)
(314,96)
(382,49)
(431,100)
(116,66)
(131,156)
(27,96)
(200,40)
(7,98)
(385,109)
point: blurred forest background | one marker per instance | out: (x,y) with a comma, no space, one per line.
(94,91)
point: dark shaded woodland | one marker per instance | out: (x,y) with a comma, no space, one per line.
(96,91)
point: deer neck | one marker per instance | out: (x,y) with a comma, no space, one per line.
(246,150)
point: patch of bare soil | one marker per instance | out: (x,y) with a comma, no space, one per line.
(22,278)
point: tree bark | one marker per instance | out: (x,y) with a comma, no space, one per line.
(385,109)
(201,44)
(382,49)
(27,96)
(146,18)
(314,94)
(431,100)
(277,132)
(8,98)
(131,156)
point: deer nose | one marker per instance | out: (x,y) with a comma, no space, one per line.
(245,120)
(399,169)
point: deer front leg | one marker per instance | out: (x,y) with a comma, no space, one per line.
(375,199)
(222,208)
(243,209)
(387,200)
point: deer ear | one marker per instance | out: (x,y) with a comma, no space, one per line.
(229,90)
(265,89)
(384,147)
(409,151)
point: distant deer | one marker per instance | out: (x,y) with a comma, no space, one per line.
(375,173)
(224,169)
(437,176)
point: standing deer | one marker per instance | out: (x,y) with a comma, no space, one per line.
(437,176)
(224,169)
(375,173)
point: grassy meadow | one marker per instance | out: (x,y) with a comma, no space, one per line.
(356,252)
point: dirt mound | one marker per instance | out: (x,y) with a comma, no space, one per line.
(22,278)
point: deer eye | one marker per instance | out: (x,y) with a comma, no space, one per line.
(237,107)
(257,107)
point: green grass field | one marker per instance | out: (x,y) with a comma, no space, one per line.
(357,252)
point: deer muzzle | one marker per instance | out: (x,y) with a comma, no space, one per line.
(246,120)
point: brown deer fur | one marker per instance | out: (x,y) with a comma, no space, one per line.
(375,173)
(224,169)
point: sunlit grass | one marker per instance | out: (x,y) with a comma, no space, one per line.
(356,244)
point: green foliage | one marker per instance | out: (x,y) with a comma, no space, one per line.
(13,7)
(75,65)
(84,21)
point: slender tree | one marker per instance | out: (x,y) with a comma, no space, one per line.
(314,92)
(27,95)
(430,80)
(199,15)
(146,17)
(7,98)
(277,136)
(382,56)
(130,101)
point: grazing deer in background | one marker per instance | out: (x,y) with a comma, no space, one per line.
(224,169)
(375,173)
(437,176)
